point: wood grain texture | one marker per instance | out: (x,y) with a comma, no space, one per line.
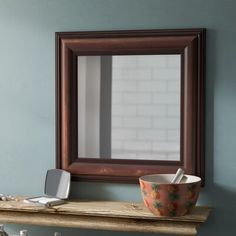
(104,215)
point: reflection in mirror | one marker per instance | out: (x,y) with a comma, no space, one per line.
(129,107)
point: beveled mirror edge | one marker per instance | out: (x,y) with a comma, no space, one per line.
(66,145)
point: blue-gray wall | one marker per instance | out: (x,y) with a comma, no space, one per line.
(27,117)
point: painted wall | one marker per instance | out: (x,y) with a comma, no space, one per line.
(27,117)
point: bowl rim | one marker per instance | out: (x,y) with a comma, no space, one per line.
(141,178)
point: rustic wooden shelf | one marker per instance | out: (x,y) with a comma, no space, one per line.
(104,215)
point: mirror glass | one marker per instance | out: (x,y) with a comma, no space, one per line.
(129,107)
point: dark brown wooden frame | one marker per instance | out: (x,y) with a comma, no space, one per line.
(189,43)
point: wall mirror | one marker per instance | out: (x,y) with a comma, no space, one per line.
(130,103)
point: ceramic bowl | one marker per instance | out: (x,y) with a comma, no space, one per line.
(165,199)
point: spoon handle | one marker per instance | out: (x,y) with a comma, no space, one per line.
(178,176)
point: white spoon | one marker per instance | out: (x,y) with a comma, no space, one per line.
(178,176)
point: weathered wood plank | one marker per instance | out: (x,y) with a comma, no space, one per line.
(100,223)
(104,215)
(105,208)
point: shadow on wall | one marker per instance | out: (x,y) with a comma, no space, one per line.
(105,191)
(222,219)
(222,199)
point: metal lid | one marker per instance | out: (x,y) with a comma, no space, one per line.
(57,183)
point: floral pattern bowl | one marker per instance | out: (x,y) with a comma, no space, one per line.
(165,199)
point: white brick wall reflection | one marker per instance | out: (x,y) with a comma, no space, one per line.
(146,107)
